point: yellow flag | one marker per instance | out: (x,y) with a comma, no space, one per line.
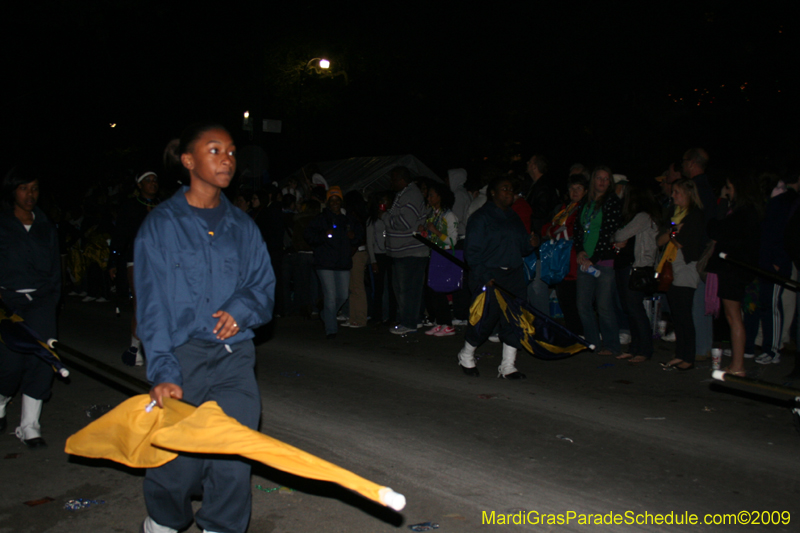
(135,438)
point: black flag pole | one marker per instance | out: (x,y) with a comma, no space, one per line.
(721,375)
(107,371)
(772,276)
(458,262)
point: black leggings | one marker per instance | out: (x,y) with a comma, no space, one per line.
(680,306)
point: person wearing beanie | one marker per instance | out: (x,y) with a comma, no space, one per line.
(331,235)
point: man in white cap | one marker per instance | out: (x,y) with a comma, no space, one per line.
(131,216)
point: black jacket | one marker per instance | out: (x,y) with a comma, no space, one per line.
(327,236)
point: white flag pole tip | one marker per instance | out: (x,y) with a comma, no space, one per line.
(393,500)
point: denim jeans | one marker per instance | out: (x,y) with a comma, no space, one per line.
(335,289)
(408,279)
(703,323)
(600,291)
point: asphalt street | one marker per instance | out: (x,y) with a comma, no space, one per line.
(581,437)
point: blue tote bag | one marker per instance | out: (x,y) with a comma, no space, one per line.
(554,255)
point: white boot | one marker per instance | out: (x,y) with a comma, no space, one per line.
(507,370)
(3,402)
(466,359)
(151,526)
(29,430)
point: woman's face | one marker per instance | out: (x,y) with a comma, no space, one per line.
(504,194)
(212,159)
(576,192)
(601,182)
(680,197)
(255,202)
(434,200)
(731,190)
(26,195)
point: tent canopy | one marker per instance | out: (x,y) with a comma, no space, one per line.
(368,174)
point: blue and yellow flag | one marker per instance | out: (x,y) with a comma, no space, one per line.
(537,333)
(20,337)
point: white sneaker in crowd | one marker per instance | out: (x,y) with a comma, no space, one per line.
(766,359)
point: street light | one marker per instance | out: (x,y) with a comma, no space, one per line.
(322,63)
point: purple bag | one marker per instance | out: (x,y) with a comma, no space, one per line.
(444,275)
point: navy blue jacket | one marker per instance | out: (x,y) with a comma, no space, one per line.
(183,275)
(494,239)
(29,259)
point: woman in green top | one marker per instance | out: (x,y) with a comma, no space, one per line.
(441,227)
(598,220)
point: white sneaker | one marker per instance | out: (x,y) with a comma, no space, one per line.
(494,338)
(624,338)
(669,337)
(89,299)
(727,353)
(151,526)
(765,359)
(101,300)
(341,318)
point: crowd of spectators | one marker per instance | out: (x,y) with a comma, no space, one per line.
(354,260)
(619,228)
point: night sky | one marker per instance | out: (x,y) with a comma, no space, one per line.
(596,82)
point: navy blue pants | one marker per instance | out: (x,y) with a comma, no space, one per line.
(25,372)
(210,372)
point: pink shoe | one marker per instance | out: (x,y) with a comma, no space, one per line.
(445,331)
(434,330)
